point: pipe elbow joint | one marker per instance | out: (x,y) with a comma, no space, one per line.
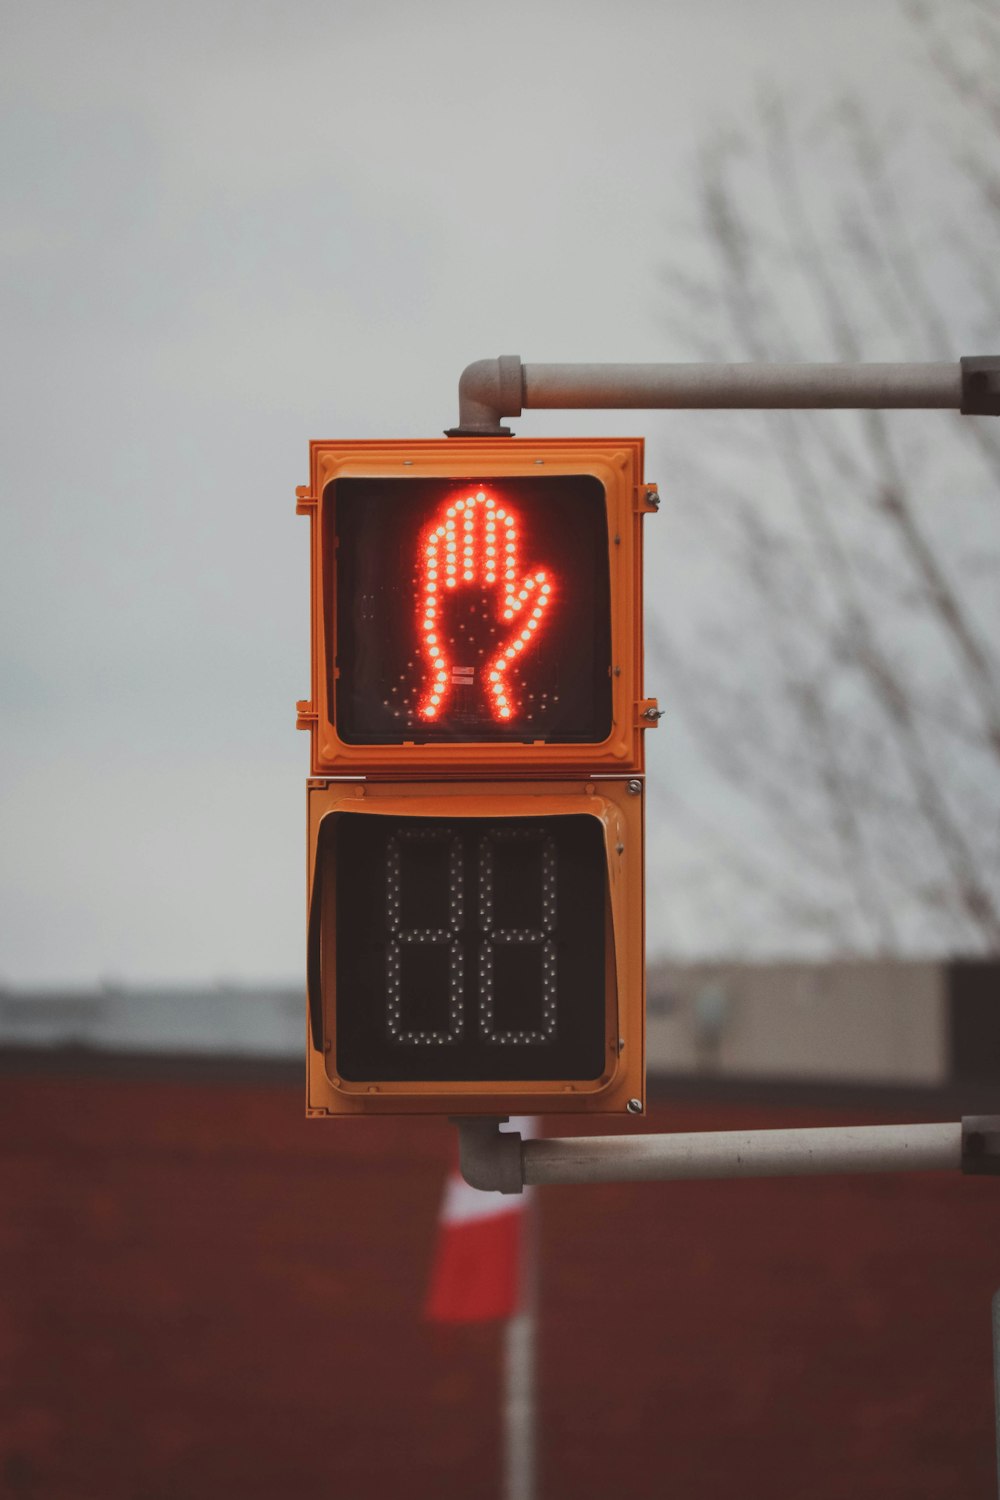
(489,1158)
(488,390)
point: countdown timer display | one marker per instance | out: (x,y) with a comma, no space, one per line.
(468,948)
(471,610)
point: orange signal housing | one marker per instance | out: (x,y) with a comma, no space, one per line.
(617,464)
(617,805)
(477,783)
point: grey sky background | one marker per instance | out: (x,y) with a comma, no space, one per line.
(230,228)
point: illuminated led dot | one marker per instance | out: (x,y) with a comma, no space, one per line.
(451,547)
(518,646)
(508,614)
(505,713)
(459,506)
(430,710)
(480,495)
(432,573)
(509,547)
(451,510)
(501,664)
(450,568)
(524,635)
(450,582)
(435,651)
(499,690)
(532,624)
(501,514)
(491,578)
(523,594)
(536,613)
(545,588)
(468,577)
(494,676)
(440,531)
(432,550)
(509,653)
(491,552)
(432,588)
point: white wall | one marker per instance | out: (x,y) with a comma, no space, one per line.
(852,1021)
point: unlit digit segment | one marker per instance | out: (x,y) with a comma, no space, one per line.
(540,937)
(401,937)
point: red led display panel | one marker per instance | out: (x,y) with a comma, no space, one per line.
(470,610)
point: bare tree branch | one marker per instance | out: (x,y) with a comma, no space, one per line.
(849,610)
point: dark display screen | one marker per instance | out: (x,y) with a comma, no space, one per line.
(471,610)
(469,948)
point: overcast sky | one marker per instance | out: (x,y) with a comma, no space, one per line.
(232,227)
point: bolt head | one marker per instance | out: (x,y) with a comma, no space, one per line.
(634,1106)
(634,787)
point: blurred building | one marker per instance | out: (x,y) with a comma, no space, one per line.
(891,1023)
(209,1294)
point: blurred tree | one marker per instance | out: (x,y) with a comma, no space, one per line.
(839,674)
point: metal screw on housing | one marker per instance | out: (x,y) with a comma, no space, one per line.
(634,787)
(654,714)
(634,1106)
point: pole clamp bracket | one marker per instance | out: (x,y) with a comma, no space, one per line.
(981,1145)
(980,385)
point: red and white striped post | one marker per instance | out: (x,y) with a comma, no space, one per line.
(485,1267)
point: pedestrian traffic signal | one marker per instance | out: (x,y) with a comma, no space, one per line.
(475,810)
(476,606)
(475,947)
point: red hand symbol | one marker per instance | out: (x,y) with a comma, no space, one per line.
(450,559)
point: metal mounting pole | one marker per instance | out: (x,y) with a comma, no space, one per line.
(491,389)
(996,1375)
(501,1162)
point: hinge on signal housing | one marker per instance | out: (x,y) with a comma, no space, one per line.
(305,714)
(647,499)
(305,500)
(648,715)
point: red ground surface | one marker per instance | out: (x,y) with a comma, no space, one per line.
(204,1296)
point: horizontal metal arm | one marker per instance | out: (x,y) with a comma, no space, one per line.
(499,1161)
(492,389)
